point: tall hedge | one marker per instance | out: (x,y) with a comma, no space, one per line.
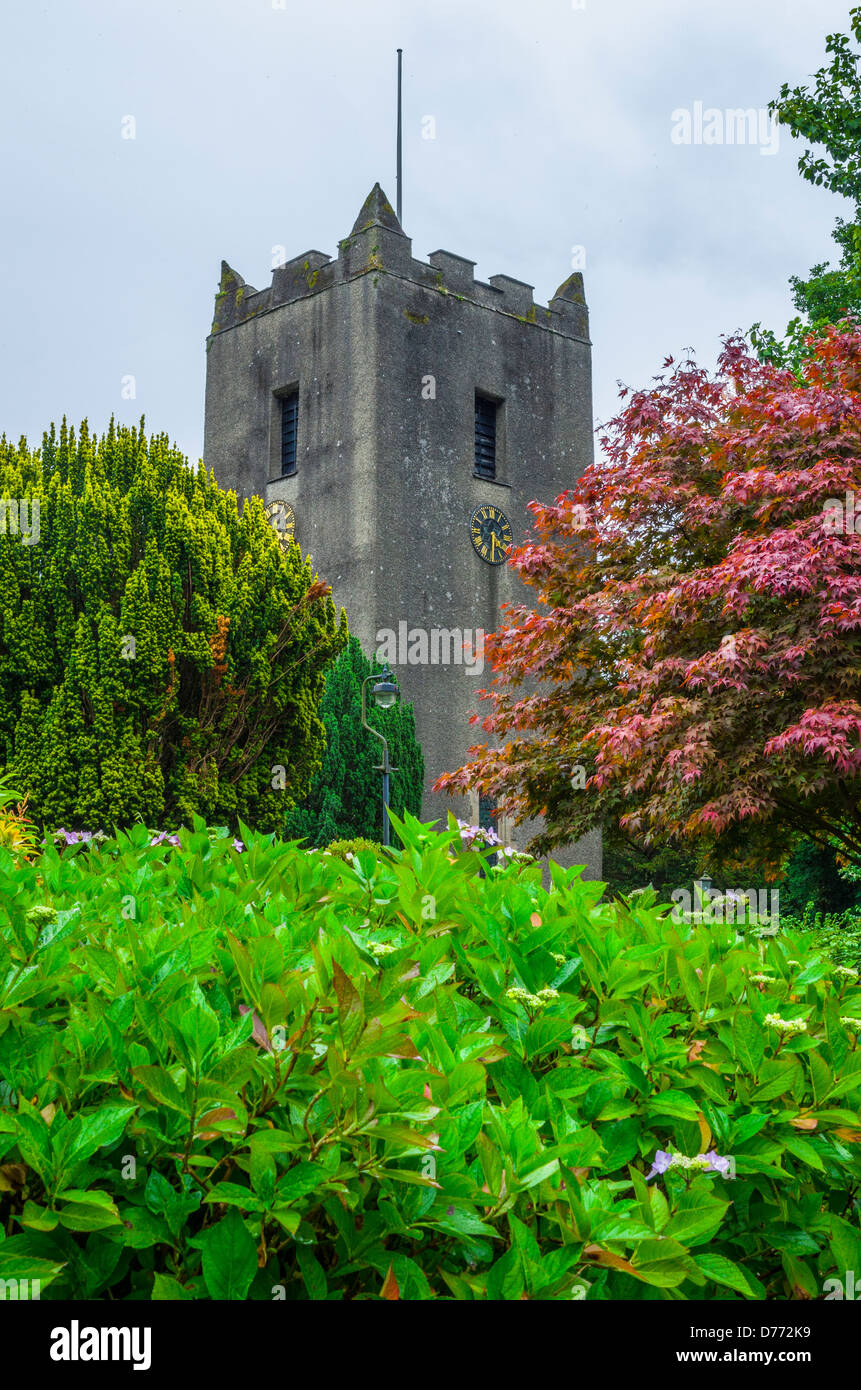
(159,655)
(345,800)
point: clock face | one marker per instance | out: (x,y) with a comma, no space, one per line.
(283,518)
(491,534)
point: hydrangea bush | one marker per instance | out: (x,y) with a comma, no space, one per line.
(281,1074)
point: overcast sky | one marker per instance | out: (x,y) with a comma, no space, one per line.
(263,123)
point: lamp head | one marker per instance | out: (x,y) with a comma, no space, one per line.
(385,692)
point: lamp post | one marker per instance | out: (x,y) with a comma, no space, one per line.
(705,887)
(385,693)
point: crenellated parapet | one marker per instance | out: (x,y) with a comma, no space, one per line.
(377,245)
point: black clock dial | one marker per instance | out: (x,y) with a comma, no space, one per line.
(491,534)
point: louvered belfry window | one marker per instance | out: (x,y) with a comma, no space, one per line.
(289,432)
(485,437)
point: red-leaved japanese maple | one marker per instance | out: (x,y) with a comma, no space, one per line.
(692,665)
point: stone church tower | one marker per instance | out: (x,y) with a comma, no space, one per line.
(399,415)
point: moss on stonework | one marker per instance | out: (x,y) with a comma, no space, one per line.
(228,282)
(416,318)
(310,275)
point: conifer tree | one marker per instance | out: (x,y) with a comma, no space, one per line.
(160,655)
(345,798)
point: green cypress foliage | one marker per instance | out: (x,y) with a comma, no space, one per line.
(160,656)
(345,801)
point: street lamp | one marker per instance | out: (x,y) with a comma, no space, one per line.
(705,887)
(385,693)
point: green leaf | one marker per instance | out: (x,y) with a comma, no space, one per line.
(776,1079)
(505,1278)
(299,1180)
(408,1176)
(159,1083)
(675,1103)
(816,970)
(37,1218)
(86,1133)
(20,1267)
(530,1177)
(90,1197)
(229,1258)
(747,1126)
(620,1140)
(232,1194)
(722,1271)
(350,1011)
(163,1199)
(663,1263)
(803,1149)
(288,1218)
(78,1216)
(263,1174)
(697,1217)
(166,1289)
(748,1041)
(821,1075)
(845,1244)
(312,1272)
(835,1032)
(199,1028)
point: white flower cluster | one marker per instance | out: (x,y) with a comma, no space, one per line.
(846,971)
(786,1025)
(519,995)
(850,1022)
(697,1162)
(763,979)
(380,948)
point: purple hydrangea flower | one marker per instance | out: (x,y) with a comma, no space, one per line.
(75,837)
(662,1161)
(238,846)
(711,1162)
(469,834)
(162,837)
